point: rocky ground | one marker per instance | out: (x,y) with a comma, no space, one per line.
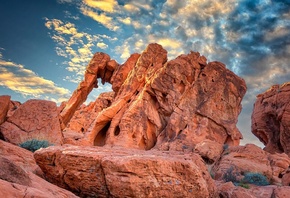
(168,129)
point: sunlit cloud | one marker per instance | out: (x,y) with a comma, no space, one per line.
(26,82)
(104,5)
(102,18)
(102,45)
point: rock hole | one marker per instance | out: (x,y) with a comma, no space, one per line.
(212,80)
(117,131)
(204,75)
(100,139)
(280,175)
(82,129)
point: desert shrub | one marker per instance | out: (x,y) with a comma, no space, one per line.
(230,176)
(34,144)
(225,146)
(256,178)
(241,184)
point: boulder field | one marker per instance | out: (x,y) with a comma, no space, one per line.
(167,129)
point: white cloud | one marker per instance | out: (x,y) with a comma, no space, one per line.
(102,45)
(16,77)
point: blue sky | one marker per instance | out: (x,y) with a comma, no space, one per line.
(46,45)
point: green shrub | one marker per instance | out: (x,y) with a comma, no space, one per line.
(256,178)
(243,185)
(34,144)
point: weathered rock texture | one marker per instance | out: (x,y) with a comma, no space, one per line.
(229,190)
(114,172)
(19,175)
(35,119)
(4,107)
(173,105)
(99,67)
(251,158)
(271,119)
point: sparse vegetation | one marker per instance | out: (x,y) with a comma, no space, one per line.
(34,144)
(256,179)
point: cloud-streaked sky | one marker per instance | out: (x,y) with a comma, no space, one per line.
(46,45)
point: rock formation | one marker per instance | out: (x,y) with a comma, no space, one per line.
(104,172)
(250,158)
(19,175)
(99,67)
(168,129)
(169,105)
(35,119)
(271,119)
(4,107)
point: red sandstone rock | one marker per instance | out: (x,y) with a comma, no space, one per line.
(85,115)
(95,67)
(35,119)
(271,119)
(20,157)
(122,72)
(13,106)
(17,178)
(115,172)
(228,190)
(175,105)
(4,106)
(250,158)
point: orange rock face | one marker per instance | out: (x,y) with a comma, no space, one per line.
(4,106)
(97,68)
(18,175)
(173,105)
(271,119)
(251,158)
(114,172)
(35,119)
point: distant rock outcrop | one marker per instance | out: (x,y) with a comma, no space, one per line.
(115,172)
(173,105)
(271,119)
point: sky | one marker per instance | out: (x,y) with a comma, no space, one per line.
(45,45)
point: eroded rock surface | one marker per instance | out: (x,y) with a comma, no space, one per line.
(239,160)
(99,67)
(173,105)
(35,119)
(4,107)
(115,172)
(19,175)
(271,118)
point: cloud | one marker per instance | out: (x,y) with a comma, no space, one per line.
(24,81)
(104,5)
(73,45)
(102,18)
(102,45)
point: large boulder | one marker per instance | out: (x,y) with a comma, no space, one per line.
(115,172)
(271,118)
(20,175)
(35,119)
